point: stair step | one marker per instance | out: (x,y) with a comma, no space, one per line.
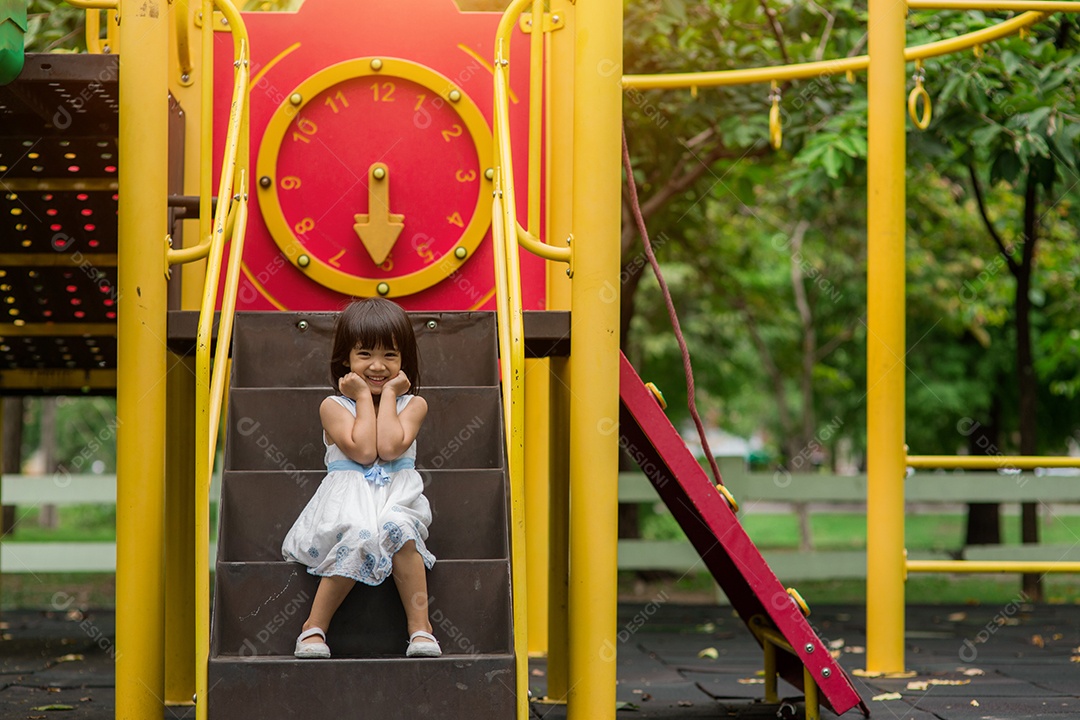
(260,608)
(460,350)
(258,508)
(450,686)
(279,429)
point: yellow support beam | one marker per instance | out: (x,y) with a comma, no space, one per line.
(990,462)
(559,178)
(537,386)
(995,5)
(885,347)
(180,532)
(58,330)
(76,380)
(805,71)
(141,359)
(594,359)
(992,566)
(54,259)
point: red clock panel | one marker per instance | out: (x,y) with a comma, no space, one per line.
(371,155)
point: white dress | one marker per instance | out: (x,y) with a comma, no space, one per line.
(361,515)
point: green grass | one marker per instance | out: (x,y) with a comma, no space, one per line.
(75,523)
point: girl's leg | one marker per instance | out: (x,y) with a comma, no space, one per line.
(332,591)
(410,576)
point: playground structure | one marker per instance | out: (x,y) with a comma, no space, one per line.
(571,199)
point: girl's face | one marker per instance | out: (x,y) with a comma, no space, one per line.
(376,365)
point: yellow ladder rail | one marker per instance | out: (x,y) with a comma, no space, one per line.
(232,209)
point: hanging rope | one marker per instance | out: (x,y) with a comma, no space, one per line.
(690,401)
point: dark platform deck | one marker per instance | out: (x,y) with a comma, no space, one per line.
(1026,658)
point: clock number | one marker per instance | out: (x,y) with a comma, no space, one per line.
(419,101)
(304,226)
(290,182)
(453,132)
(333,105)
(463,176)
(455,219)
(424,250)
(306,127)
(387,92)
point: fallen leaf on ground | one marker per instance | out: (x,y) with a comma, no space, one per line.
(887,696)
(974,703)
(537,672)
(706,628)
(971,672)
(855,649)
(957,617)
(86,699)
(73,657)
(835,654)
(925,684)
(685,703)
(709,652)
(646,697)
(835,644)
(54,707)
(1075,658)
(1037,641)
(1056,636)
(751,681)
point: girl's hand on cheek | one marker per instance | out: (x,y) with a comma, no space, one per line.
(353,386)
(400,384)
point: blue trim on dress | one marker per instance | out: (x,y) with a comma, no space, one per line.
(377,473)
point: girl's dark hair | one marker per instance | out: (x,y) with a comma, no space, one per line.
(374,323)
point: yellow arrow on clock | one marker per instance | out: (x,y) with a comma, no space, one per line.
(379,228)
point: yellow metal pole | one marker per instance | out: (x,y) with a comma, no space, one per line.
(993,566)
(141,360)
(594,359)
(991,462)
(837,66)
(558,671)
(180,532)
(536,500)
(558,158)
(885,340)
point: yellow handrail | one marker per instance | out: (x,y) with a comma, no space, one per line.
(95,4)
(502,138)
(183,44)
(507,235)
(991,462)
(802,71)
(93,32)
(232,209)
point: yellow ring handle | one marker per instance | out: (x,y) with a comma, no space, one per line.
(657,394)
(799,601)
(921,121)
(729,497)
(776,130)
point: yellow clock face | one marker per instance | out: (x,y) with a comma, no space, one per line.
(374,177)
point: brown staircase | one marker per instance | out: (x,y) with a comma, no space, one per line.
(273,465)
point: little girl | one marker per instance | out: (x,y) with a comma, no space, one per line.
(369,517)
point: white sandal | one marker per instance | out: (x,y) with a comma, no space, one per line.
(423,649)
(311,650)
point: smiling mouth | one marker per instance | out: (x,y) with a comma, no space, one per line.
(377,381)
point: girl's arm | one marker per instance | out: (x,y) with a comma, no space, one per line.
(395,433)
(354,436)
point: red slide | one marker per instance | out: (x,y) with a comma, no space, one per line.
(712,527)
